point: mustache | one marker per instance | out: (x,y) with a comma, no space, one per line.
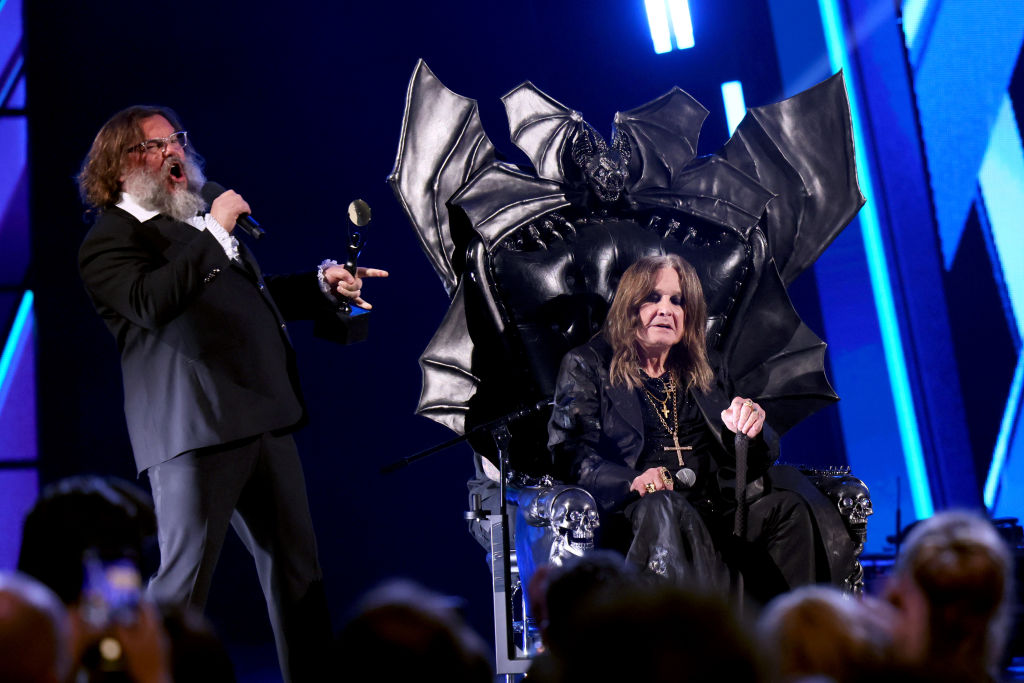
(149,187)
(174,165)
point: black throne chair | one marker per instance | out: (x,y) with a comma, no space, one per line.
(531,258)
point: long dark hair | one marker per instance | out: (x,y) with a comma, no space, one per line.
(99,180)
(688,360)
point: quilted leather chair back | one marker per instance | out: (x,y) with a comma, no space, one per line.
(555,296)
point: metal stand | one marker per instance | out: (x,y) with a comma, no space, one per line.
(510,657)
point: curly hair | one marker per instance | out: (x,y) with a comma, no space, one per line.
(688,360)
(99,180)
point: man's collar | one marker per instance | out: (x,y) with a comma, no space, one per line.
(129,204)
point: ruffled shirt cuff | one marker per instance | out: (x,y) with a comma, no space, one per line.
(226,240)
(328,291)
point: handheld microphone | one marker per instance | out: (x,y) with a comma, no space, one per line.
(685,478)
(247,223)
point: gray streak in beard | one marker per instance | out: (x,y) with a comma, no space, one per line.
(149,188)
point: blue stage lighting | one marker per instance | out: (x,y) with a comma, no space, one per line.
(999,453)
(1001,179)
(667,18)
(682,25)
(20,331)
(881,286)
(6,88)
(912,12)
(735,105)
(657,19)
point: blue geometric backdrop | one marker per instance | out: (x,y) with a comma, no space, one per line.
(921,299)
(18,474)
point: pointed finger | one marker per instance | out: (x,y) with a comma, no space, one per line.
(371,272)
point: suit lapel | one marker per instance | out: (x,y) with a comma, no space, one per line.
(247,265)
(169,232)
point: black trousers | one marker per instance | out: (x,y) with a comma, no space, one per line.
(257,487)
(673,539)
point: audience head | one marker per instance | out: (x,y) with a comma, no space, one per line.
(821,631)
(401,630)
(571,586)
(197,654)
(108,517)
(655,631)
(952,587)
(35,637)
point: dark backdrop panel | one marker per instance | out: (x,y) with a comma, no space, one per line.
(299,109)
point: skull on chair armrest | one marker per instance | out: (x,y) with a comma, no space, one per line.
(852,499)
(571,517)
(574,520)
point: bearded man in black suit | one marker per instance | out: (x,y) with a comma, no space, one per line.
(210,383)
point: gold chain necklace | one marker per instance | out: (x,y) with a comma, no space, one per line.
(663,413)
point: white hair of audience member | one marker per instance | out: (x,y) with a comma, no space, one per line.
(35,632)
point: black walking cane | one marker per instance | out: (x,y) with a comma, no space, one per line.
(739,524)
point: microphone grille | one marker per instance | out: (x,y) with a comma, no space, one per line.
(686,477)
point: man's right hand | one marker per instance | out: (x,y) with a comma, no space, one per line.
(227,208)
(657,477)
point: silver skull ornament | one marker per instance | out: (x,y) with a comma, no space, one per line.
(853,500)
(574,520)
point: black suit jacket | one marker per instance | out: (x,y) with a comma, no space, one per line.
(205,353)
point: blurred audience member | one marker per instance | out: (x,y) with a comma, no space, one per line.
(402,631)
(35,636)
(571,586)
(197,653)
(108,517)
(654,632)
(819,631)
(952,587)
(556,593)
(86,538)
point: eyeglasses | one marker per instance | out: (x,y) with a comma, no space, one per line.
(158,145)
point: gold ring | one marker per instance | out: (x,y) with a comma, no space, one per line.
(650,488)
(666,477)
(748,403)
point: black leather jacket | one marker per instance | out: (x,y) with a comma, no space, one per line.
(596,436)
(596,432)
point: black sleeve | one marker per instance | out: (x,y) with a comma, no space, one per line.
(124,274)
(574,433)
(298,296)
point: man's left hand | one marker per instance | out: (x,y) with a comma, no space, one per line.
(351,286)
(743,416)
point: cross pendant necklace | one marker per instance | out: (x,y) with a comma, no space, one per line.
(677,448)
(663,411)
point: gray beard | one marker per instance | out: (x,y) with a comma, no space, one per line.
(149,189)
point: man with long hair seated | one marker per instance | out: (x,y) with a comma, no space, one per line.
(644,420)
